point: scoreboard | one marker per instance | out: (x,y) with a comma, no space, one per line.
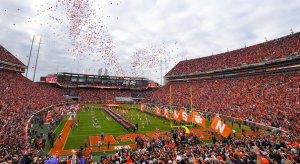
(51,80)
(152,85)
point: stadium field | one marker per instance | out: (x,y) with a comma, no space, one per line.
(108,126)
(95,121)
(86,129)
(155,122)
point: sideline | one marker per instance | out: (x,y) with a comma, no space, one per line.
(59,144)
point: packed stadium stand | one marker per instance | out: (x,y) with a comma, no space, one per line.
(258,83)
(274,49)
(267,99)
(19,99)
(6,56)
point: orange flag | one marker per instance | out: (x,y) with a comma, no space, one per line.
(184,116)
(220,127)
(166,114)
(142,108)
(198,119)
(157,111)
(176,115)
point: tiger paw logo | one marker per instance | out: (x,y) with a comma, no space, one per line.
(198,119)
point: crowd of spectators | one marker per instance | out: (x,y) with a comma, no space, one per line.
(42,126)
(269,99)
(181,148)
(101,96)
(274,49)
(6,56)
(19,99)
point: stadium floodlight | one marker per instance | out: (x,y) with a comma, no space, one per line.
(32,41)
(37,57)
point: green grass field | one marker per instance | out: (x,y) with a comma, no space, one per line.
(155,122)
(77,136)
(108,126)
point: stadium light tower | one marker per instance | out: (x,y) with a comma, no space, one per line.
(161,81)
(163,60)
(166,64)
(37,58)
(29,56)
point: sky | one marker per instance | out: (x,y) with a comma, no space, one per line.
(143,38)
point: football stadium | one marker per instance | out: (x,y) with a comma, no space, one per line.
(86,81)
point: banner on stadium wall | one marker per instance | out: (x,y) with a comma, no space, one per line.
(157,111)
(184,115)
(198,119)
(220,127)
(179,116)
(166,113)
(176,115)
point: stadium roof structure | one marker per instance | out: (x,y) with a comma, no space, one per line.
(7,57)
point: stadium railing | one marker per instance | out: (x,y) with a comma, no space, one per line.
(43,109)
